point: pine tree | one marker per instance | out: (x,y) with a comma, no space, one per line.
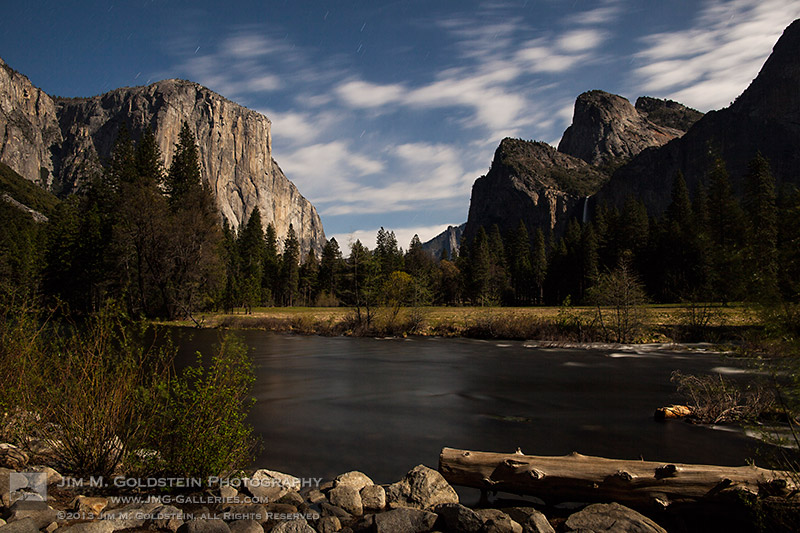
(308,279)
(271,279)
(251,250)
(290,267)
(231,296)
(148,160)
(539,265)
(330,268)
(726,226)
(519,260)
(762,242)
(183,178)
(389,256)
(480,269)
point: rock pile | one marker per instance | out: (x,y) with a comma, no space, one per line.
(270,501)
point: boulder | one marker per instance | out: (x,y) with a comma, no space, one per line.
(201,525)
(355,479)
(270,485)
(316,496)
(293,526)
(421,488)
(53,477)
(405,520)
(328,524)
(133,515)
(41,517)
(373,497)
(457,517)
(167,517)
(5,496)
(348,498)
(101,526)
(86,505)
(496,521)
(609,517)
(26,525)
(531,520)
(245,526)
(12,457)
(252,511)
(292,498)
(228,493)
(333,510)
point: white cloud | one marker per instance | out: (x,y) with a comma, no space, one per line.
(581,40)
(364,94)
(299,127)
(709,64)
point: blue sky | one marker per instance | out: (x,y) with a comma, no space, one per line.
(385,112)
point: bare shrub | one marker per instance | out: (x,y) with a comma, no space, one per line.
(715,400)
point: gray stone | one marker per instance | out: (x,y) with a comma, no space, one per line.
(459,518)
(86,505)
(373,497)
(496,521)
(25,525)
(245,526)
(421,488)
(328,524)
(316,496)
(269,485)
(130,516)
(357,480)
(532,520)
(404,520)
(228,493)
(251,511)
(101,526)
(41,517)
(333,510)
(610,517)
(348,498)
(201,525)
(365,524)
(167,517)
(292,498)
(53,477)
(5,496)
(293,526)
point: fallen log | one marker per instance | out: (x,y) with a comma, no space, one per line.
(577,477)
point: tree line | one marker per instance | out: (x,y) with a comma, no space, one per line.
(152,238)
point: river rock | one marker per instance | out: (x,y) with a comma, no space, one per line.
(373,497)
(41,517)
(532,520)
(245,526)
(270,485)
(130,516)
(5,495)
(672,411)
(614,517)
(12,457)
(253,511)
(292,498)
(357,480)
(421,488)
(26,525)
(87,505)
(328,524)
(293,526)
(333,510)
(201,525)
(167,517)
(496,521)
(53,477)
(101,526)
(406,520)
(228,493)
(348,498)
(460,518)
(316,496)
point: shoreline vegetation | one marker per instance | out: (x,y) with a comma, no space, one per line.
(712,323)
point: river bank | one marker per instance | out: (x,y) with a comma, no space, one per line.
(663,323)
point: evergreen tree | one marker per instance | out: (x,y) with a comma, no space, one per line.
(480,269)
(271,280)
(762,243)
(389,256)
(290,267)
(231,297)
(331,268)
(538,265)
(789,244)
(726,228)
(148,160)
(308,279)
(519,260)
(183,179)
(251,251)
(420,267)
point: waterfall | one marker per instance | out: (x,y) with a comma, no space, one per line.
(585,210)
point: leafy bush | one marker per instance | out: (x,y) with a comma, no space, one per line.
(715,400)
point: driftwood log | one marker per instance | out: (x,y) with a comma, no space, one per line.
(584,478)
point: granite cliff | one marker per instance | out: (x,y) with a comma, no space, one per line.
(447,242)
(57,142)
(533,182)
(606,130)
(765,118)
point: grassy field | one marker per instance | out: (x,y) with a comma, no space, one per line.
(658,322)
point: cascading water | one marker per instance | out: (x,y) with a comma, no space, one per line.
(585,210)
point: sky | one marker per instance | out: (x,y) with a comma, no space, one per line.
(385,112)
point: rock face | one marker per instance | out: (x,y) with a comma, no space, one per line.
(606,129)
(765,118)
(532,182)
(447,242)
(57,142)
(28,127)
(667,113)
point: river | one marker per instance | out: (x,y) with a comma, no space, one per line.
(327,405)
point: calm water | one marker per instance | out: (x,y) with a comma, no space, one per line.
(329,405)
